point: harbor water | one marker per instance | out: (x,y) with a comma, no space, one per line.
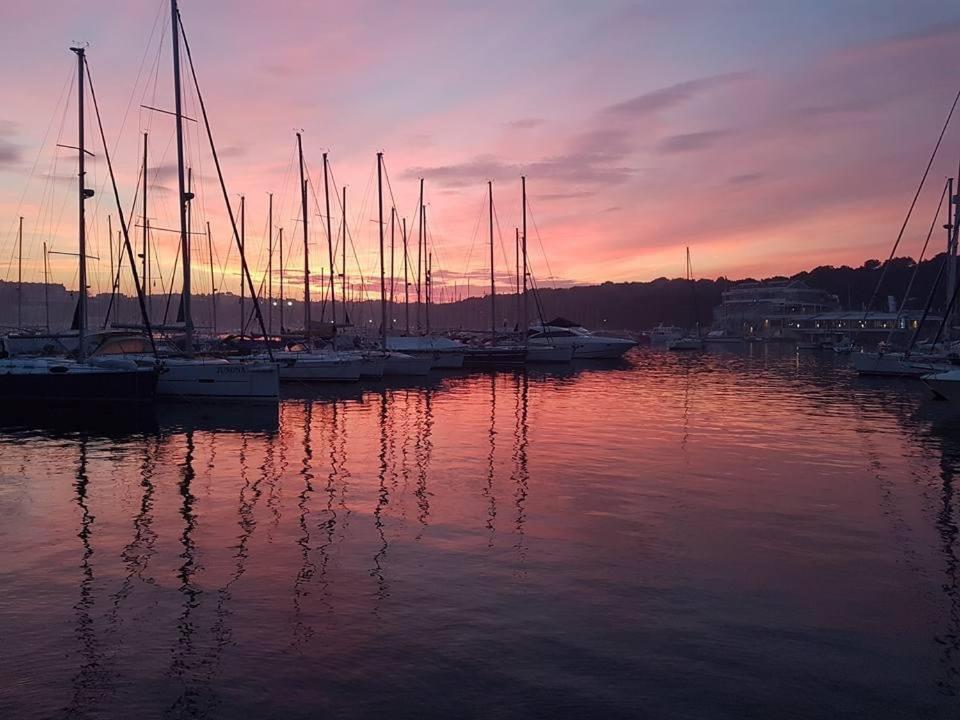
(748,533)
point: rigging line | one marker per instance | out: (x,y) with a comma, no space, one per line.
(350,232)
(206,122)
(476,235)
(123,222)
(916,269)
(503,251)
(64,93)
(126,112)
(536,229)
(913,203)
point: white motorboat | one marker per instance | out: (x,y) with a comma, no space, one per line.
(586,345)
(549,354)
(690,342)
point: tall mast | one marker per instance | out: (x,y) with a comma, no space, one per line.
(419,249)
(46,289)
(243,245)
(113,298)
(516,265)
(145,226)
(951,261)
(383,282)
(213,289)
(343,253)
(280,241)
(493,290)
(326,198)
(83,194)
(406,283)
(523,252)
(393,230)
(270,264)
(306,249)
(429,286)
(184,196)
(20,272)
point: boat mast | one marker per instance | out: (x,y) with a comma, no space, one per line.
(493,289)
(383,281)
(951,261)
(280,241)
(145,227)
(20,272)
(406,283)
(243,245)
(326,198)
(83,194)
(393,230)
(46,289)
(523,252)
(429,280)
(213,289)
(185,197)
(516,265)
(270,264)
(306,249)
(343,253)
(106,320)
(419,251)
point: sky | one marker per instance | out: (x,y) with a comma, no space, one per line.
(768,137)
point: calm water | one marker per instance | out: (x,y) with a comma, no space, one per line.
(706,536)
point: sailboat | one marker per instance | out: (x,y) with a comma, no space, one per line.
(53,379)
(494,354)
(397,363)
(444,353)
(183,374)
(300,362)
(688,341)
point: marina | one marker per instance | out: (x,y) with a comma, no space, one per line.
(354,363)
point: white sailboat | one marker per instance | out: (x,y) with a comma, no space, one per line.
(187,376)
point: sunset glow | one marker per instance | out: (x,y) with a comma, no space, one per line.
(769,138)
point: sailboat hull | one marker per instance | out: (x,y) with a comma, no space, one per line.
(68,382)
(219,381)
(494,357)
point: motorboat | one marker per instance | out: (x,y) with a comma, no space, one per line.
(844,346)
(549,354)
(585,344)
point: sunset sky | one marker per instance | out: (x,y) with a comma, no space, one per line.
(768,136)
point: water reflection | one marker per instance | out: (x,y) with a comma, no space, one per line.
(502,531)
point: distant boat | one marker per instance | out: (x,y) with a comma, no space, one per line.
(444,353)
(665,334)
(722,337)
(689,341)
